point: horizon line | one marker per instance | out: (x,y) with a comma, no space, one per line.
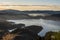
(29,5)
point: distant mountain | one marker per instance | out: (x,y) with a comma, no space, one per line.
(16,14)
(43,11)
(11,11)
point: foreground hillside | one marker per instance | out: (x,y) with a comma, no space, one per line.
(52,36)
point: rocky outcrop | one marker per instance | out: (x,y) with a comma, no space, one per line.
(22,32)
(34,28)
(25,34)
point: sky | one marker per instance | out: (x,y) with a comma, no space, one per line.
(30,2)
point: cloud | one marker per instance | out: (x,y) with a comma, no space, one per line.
(30,2)
(7,3)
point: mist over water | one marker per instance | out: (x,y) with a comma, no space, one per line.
(48,25)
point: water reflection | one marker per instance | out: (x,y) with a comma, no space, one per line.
(48,25)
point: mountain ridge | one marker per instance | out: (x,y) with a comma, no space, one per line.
(11,11)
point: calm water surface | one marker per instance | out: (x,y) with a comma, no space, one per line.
(48,25)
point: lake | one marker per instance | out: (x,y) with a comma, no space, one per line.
(48,25)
